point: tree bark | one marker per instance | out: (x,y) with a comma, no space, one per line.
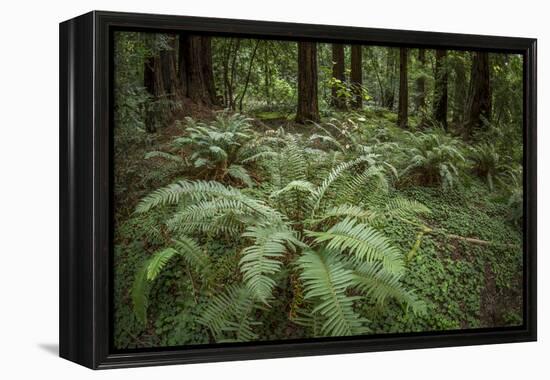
(338,101)
(479,99)
(356,76)
(402,115)
(308,106)
(195,69)
(168,66)
(440,88)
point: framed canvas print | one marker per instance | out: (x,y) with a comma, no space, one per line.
(236,189)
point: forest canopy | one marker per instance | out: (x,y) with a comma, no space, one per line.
(269,190)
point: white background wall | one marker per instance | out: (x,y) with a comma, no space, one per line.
(29,187)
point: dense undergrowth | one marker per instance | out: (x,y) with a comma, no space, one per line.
(237,229)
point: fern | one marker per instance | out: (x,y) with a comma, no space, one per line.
(362,241)
(158,262)
(239,173)
(139,293)
(164,155)
(329,180)
(229,315)
(378,284)
(261,261)
(326,282)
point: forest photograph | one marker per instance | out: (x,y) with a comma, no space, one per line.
(269,190)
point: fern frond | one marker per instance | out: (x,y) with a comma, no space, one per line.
(164,155)
(139,293)
(299,185)
(192,254)
(329,180)
(238,172)
(326,281)
(158,262)
(347,211)
(229,315)
(378,284)
(261,261)
(402,207)
(362,241)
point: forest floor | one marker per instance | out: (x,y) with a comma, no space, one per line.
(465,284)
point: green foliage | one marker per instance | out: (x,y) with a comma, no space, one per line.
(434,159)
(363,242)
(233,229)
(488,163)
(326,282)
(229,315)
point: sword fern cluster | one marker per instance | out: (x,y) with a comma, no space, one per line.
(313,225)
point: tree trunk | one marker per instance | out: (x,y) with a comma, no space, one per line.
(356,76)
(479,99)
(247,81)
(460,93)
(168,66)
(308,107)
(402,116)
(153,83)
(338,101)
(440,88)
(389,90)
(195,69)
(420,100)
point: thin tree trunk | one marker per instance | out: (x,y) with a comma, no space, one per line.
(308,107)
(479,99)
(421,83)
(389,89)
(356,76)
(233,73)
(248,75)
(402,116)
(338,101)
(440,88)
(460,93)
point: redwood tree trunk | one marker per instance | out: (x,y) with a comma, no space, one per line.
(479,99)
(168,66)
(195,69)
(308,106)
(338,101)
(356,76)
(440,88)
(403,114)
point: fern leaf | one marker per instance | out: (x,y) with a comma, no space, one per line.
(139,293)
(238,172)
(229,315)
(158,262)
(164,155)
(193,255)
(378,284)
(326,281)
(329,180)
(261,261)
(363,241)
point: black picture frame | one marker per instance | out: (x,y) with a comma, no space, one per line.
(86,185)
